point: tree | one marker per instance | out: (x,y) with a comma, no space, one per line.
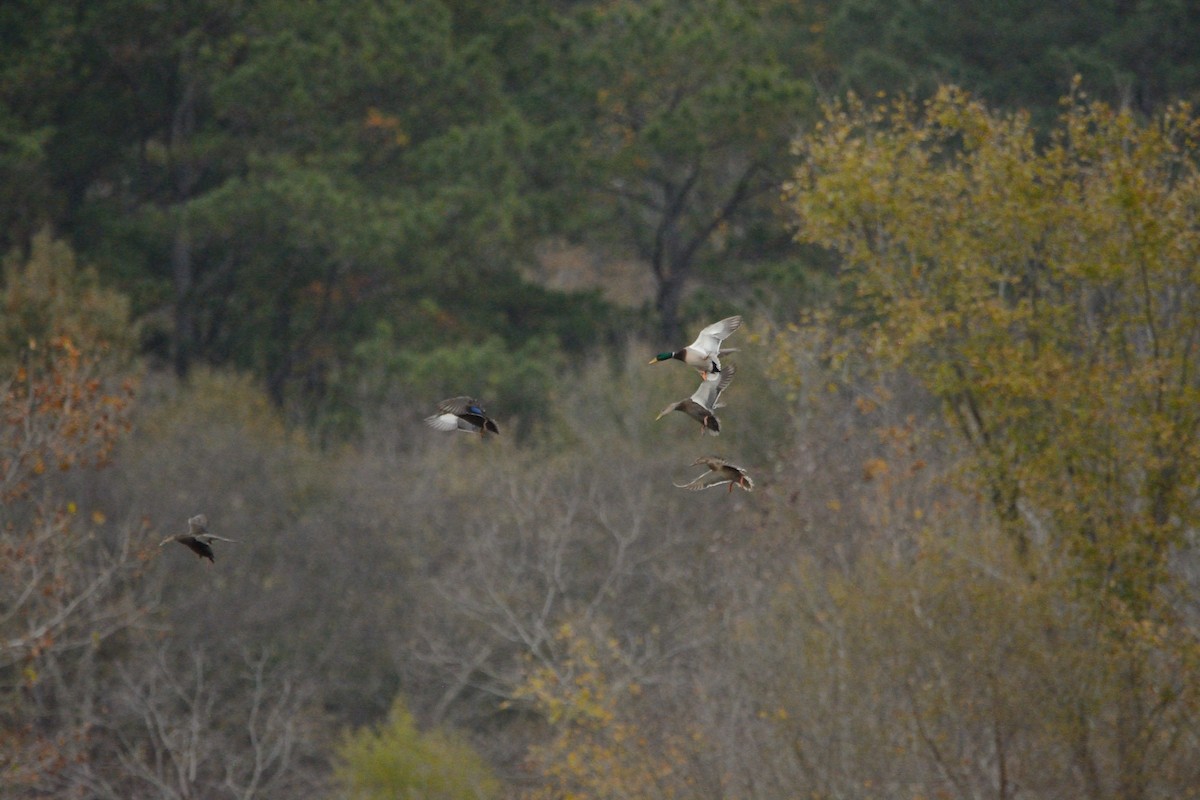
(68,574)
(597,748)
(185,722)
(688,112)
(268,181)
(397,760)
(1049,297)
(1017,54)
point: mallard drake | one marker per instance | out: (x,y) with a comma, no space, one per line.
(703,401)
(705,353)
(197,539)
(720,472)
(462,414)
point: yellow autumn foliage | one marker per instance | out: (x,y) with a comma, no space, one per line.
(597,747)
(1045,288)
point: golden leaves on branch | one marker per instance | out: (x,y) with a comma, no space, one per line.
(65,356)
(58,413)
(1045,287)
(598,745)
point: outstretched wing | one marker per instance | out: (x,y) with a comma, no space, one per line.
(197,524)
(698,483)
(709,340)
(462,405)
(442,422)
(712,484)
(712,386)
(694,483)
(468,410)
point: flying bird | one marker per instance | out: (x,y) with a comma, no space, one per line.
(701,405)
(705,353)
(197,539)
(462,414)
(720,472)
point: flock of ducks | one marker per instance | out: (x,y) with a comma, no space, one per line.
(704,355)
(468,415)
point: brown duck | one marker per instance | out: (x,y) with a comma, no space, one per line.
(720,472)
(700,406)
(197,539)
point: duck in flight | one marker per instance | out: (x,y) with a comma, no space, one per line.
(197,539)
(462,414)
(704,401)
(720,472)
(705,353)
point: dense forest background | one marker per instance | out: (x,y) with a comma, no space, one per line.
(251,243)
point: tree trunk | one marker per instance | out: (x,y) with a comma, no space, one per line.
(667,299)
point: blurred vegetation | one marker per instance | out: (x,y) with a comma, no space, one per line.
(1047,296)
(1017,54)
(49,298)
(250,245)
(397,760)
(269,183)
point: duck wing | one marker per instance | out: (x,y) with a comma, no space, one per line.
(712,386)
(697,484)
(467,409)
(709,340)
(443,422)
(462,405)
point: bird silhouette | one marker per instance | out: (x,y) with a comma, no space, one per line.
(197,539)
